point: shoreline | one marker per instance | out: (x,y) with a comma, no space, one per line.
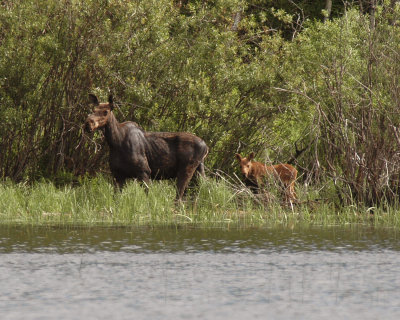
(211,204)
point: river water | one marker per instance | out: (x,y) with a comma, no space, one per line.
(130,273)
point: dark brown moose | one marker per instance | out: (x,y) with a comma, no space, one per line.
(256,172)
(142,155)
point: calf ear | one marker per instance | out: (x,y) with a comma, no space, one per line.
(238,157)
(251,156)
(111,101)
(93,99)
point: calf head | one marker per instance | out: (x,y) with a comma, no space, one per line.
(100,115)
(245,163)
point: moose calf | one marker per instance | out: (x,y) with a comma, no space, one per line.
(256,172)
(137,154)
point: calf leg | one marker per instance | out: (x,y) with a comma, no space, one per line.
(290,193)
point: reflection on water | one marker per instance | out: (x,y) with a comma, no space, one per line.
(141,240)
(130,273)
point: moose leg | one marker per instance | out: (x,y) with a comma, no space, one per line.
(200,169)
(144,177)
(253,186)
(198,174)
(146,181)
(183,178)
(292,192)
(120,181)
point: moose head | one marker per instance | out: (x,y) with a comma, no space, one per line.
(101,113)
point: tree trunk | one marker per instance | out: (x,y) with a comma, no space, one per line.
(372,8)
(328,9)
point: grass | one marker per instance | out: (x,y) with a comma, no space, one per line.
(213,203)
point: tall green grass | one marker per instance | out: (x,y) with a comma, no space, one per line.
(212,203)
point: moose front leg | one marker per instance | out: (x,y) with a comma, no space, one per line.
(119,181)
(144,179)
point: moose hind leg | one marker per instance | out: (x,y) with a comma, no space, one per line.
(200,169)
(183,178)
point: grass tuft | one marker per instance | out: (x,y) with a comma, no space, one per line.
(214,202)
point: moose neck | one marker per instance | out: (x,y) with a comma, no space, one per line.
(113,132)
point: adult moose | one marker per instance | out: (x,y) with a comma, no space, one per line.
(135,153)
(256,172)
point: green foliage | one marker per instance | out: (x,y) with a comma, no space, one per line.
(263,76)
(347,75)
(211,204)
(168,71)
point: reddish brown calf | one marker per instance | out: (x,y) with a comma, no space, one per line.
(142,155)
(256,172)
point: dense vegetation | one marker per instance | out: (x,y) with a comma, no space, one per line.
(213,203)
(313,84)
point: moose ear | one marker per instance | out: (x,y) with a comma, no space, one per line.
(111,101)
(238,157)
(251,156)
(93,99)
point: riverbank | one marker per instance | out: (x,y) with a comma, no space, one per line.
(210,204)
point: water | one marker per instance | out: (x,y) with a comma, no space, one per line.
(124,273)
